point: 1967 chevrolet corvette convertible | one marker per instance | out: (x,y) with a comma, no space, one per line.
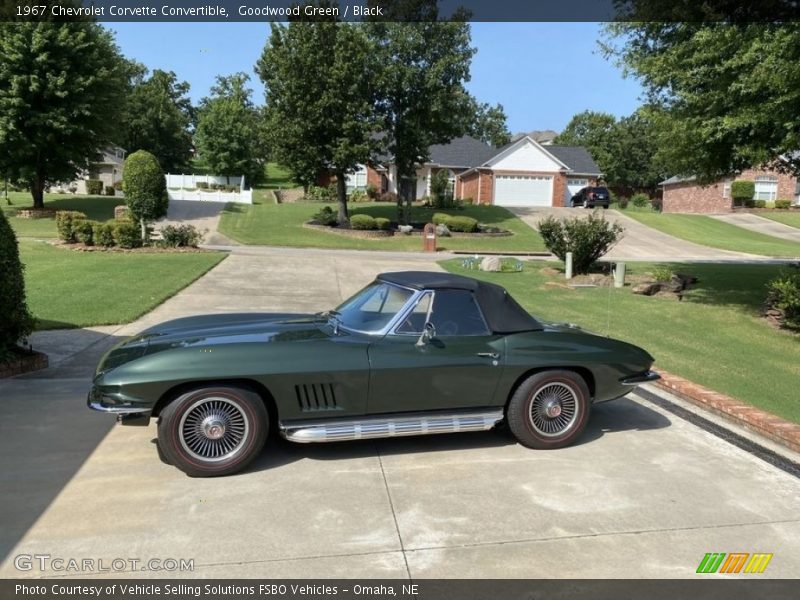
(412,353)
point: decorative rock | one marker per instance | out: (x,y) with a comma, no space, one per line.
(442,230)
(491,263)
(406,229)
(646,289)
(121,212)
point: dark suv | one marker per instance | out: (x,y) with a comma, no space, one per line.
(589,197)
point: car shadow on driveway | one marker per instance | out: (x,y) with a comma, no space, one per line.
(606,419)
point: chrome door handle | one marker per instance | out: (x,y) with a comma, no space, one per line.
(492,355)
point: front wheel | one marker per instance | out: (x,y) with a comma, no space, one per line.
(549,409)
(585,204)
(213,431)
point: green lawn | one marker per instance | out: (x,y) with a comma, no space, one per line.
(67,288)
(715,337)
(787,218)
(708,231)
(282,225)
(98,208)
(277,177)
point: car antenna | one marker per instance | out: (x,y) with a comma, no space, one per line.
(608,303)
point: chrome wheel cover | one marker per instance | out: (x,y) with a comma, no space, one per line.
(213,429)
(554,409)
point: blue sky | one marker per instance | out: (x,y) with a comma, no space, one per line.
(542,73)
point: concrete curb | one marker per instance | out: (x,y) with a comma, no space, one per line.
(749,417)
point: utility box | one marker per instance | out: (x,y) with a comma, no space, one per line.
(429,238)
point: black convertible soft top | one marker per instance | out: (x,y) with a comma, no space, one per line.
(502,313)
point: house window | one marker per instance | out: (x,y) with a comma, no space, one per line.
(766,187)
(726,188)
(357,180)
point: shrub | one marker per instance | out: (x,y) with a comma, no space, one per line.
(181,236)
(145,188)
(103,234)
(66,222)
(760,203)
(750,203)
(622,202)
(94,187)
(742,191)
(326,216)
(358,196)
(118,185)
(440,218)
(640,200)
(364,222)
(16,321)
(318,193)
(770,204)
(382,223)
(588,239)
(202,185)
(783,293)
(467,201)
(84,232)
(657,204)
(389,197)
(663,273)
(127,234)
(110,191)
(372,191)
(462,224)
(783,204)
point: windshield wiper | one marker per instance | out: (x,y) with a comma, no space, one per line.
(335,319)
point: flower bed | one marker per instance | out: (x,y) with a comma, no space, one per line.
(36,213)
(417,231)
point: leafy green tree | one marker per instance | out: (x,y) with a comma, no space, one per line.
(61,86)
(594,130)
(320,100)
(728,93)
(489,125)
(422,96)
(228,130)
(145,189)
(157,117)
(15,320)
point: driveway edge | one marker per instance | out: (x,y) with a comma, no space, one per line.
(749,417)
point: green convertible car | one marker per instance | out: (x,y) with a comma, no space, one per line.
(412,353)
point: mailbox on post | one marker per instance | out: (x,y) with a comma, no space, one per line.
(429,238)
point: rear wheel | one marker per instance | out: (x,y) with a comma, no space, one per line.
(549,409)
(212,431)
(585,204)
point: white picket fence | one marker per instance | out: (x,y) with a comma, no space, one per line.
(241,197)
(184,187)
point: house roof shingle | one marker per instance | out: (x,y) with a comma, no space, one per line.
(577,158)
(465,151)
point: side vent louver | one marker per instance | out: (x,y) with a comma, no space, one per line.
(316,396)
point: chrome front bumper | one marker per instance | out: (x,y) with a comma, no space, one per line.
(127,412)
(639,378)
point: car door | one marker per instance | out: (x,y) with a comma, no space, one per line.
(459,367)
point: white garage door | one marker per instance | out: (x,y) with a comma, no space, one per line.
(573,187)
(523,190)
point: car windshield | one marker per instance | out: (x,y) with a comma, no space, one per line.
(372,308)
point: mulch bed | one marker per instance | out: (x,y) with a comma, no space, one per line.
(377,234)
(23,361)
(118,250)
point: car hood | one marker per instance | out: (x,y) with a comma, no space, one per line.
(215,330)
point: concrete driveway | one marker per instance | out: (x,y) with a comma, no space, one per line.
(761,225)
(644,494)
(639,242)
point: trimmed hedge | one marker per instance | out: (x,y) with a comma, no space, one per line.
(127,234)
(742,191)
(588,239)
(66,223)
(760,203)
(462,224)
(94,187)
(783,204)
(181,236)
(145,187)
(440,218)
(103,234)
(16,321)
(111,190)
(783,293)
(640,200)
(382,224)
(363,222)
(84,232)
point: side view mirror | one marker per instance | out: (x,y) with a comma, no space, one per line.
(428,333)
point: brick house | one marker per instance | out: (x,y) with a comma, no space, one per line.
(522,173)
(685,195)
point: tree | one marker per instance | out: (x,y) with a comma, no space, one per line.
(422,96)
(228,129)
(145,189)
(489,125)
(728,94)
(61,86)
(157,117)
(594,130)
(16,321)
(320,100)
